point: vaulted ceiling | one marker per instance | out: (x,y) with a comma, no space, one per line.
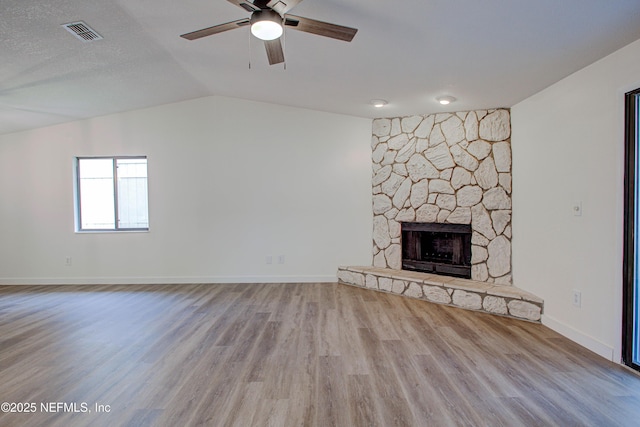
(489,53)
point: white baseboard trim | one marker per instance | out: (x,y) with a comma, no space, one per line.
(162,280)
(579,337)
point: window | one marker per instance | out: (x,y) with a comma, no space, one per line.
(112,193)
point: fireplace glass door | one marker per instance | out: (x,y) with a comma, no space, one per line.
(437,248)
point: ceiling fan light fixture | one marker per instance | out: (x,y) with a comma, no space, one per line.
(378,103)
(266,25)
(445,100)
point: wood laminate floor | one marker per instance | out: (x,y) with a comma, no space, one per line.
(290,355)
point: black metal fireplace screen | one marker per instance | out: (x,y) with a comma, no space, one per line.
(437,248)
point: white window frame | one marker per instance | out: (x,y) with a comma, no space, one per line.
(77,186)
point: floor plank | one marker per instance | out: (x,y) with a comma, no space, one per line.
(314,354)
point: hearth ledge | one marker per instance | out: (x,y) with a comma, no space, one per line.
(502,300)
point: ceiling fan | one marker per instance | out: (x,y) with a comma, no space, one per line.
(268,17)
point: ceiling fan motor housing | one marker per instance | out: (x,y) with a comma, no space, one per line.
(265,15)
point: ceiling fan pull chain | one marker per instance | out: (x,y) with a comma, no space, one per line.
(249,32)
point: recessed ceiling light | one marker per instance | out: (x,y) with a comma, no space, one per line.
(445,100)
(378,103)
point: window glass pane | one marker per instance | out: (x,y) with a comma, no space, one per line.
(96,194)
(132,193)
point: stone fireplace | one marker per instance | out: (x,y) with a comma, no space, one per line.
(452,168)
(442,188)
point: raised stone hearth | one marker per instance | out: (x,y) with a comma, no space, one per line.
(468,294)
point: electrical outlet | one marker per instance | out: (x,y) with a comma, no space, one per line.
(68,261)
(280,259)
(577,298)
(269,259)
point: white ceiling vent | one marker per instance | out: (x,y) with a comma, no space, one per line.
(82,31)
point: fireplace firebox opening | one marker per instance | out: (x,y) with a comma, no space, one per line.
(437,248)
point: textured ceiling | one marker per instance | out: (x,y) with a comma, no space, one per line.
(490,53)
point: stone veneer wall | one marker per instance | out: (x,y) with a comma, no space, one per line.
(445,168)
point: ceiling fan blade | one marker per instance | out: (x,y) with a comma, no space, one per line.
(274,51)
(320,28)
(282,6)
(215,29)
(246,5)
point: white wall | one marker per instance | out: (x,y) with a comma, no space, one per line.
(568,145)
(230,182)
